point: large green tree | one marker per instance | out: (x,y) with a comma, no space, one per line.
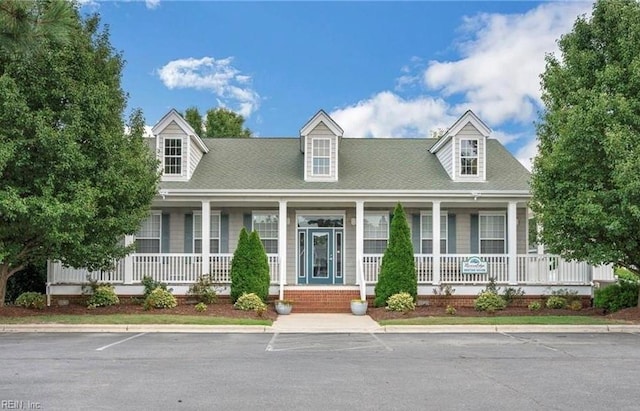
(586,184)
(397,271)
(219,122)
(72,182)
(24,24)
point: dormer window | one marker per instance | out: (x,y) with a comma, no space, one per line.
(173,156)
(321,156)
(469,157)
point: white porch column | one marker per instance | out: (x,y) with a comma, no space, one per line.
(282,245)
(128,261)
(206,224)
(512,242)
(360,249)
(435,215)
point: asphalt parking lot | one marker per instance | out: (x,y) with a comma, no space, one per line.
(319,371)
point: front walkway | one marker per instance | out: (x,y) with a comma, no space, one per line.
(325,323)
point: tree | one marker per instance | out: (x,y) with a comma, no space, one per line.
(397,271)
(23,23)
(225,123)
(194,118)
(72,182)
(586,190)
(249,267)
(261,279)
(240,267)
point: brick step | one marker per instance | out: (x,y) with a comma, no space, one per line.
(321,301)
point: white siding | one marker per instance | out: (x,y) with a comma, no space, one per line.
(174,131)
(176,231)
(321,131)
(445,157)
(194,158)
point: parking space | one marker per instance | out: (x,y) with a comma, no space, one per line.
(321,371)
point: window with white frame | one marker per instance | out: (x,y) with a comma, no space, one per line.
(214,233)
(321,156)
(173,156)
(492,233)
(469,157)
(376,232)
(426,233)
(148,236)
(266,224)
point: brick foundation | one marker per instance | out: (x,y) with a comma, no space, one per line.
(321,301)
(460,301)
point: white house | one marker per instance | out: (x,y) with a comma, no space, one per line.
(322,204)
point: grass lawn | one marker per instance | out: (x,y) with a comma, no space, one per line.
(132,319)
(507,320)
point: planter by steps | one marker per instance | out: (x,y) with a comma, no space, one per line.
(284,307)
(359,307)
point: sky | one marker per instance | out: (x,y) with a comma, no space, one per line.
(379,69)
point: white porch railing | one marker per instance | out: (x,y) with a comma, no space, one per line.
(59,274)
(167,268)
(531,269)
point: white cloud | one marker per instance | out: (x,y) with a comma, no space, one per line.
(498,74)
(231,88)
(152,4)
(526,153)
(388,115)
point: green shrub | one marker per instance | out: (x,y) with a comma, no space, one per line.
(250,302)
(617,296)
(510,293)
(249,267)
(556,302)
(160,298)
(150,285)
(31,299)
(203,290)
(535,306)
(575,305)
(397,271)
(402,302)
(451,310)
(489,301)
(568,295)
(625,275)
(201,307)
(104,295)
(31,278)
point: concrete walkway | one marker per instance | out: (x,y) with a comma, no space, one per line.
(325,323)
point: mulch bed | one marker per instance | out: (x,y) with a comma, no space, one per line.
(225,309)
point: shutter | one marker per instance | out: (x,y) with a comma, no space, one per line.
(475,234)
(188,233)
(415,233)
(165,236)
(247,221)
(224,233)
(451,234)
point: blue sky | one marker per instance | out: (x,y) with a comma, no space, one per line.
(380,69)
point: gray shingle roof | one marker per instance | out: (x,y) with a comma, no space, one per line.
(364,164)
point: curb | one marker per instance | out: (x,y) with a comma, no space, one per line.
(261,329)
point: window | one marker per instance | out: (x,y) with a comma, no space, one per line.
(376,232)
(148,237)
(492,233)
(426,233)
(321,148)
(469,157)
(266,224)
(214,233)
(173,156)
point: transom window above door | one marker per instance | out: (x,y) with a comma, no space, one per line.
(313,221)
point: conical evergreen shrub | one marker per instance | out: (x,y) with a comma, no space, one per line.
(397,271)
(260,277)
(240,267)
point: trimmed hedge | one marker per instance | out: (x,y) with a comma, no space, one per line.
(617,296)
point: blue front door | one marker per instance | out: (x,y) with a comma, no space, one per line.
(320,250)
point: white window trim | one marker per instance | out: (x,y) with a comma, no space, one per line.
(504,235)
(193,229)
(159,238)
(165,155)
(444,214)
(275,213)
(375,213)
(477,157)
(314,156)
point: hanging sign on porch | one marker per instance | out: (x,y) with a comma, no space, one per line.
(474,265)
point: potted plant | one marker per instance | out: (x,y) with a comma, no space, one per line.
(359,307)
(284,307)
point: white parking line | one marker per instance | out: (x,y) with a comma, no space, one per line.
(271,342)
(119,342)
